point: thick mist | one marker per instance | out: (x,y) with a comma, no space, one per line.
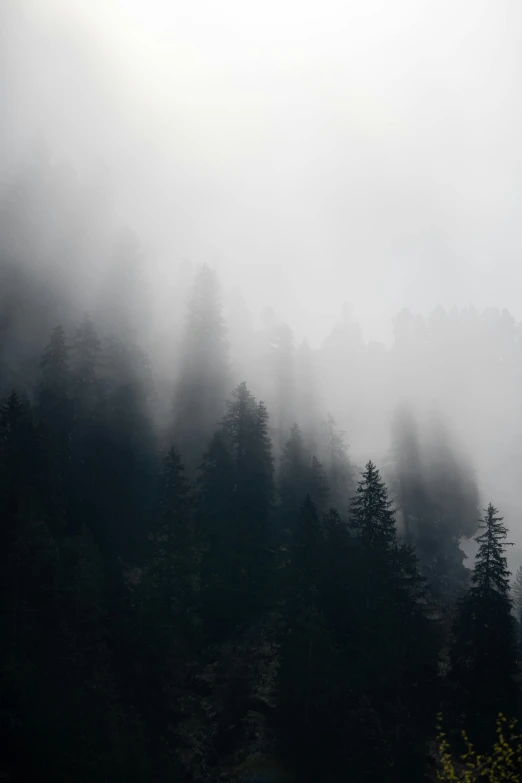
(260,390)
(314,157)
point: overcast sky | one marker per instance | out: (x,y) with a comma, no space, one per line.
(317,152)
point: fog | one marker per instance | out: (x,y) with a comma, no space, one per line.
(334,162)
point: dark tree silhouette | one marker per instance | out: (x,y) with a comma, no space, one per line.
(483,653)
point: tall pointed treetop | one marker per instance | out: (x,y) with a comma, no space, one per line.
(371,514)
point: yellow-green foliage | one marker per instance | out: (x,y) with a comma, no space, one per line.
(502,765)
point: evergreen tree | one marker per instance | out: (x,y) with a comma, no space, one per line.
(164,601)
(371,515)
(306,556)
(393,645)
(54,399)
(310,694)
(517,592)
(301,474)
(451,486)
(86,357)
(283,361)
(307,405)
(429,525)
(409,486)
(483,655)
(122,477)
(310,682)
(204,371)
(219,565)
(55,367)
(339,587)
(236,504)
(86,435)
(338,467)
(172,538)
(517,603)
(18,467)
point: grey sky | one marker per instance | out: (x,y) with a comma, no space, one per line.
(315,151)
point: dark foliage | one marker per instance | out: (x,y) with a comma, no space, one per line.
(161,623)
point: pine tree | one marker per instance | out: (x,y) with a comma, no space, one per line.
(123,473)
(236,512)
(306,556)
(54,400)
(86,353)
(451,487)
(517,591)
(408,481)
(172,539)
(18,467)
(301,474)
(517,603)
(237,425)
(338,467)
(371,515)
(307,406)
(339,588)
(55,362)
(262,463)
(483,657)
(310,699)
(215,517)
(165,598)
(429,524)
(392,644)
(86,434)
(310,680)
(55,416)
(283,360)
(204,372)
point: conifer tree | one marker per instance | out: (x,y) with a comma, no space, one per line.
(483,652)
(55,362)
(451,487)
(283,368)
(310,684)
(517,592)
(122,480)
(339,587)
(306,555)
(408,480)
(86,352)
(238,423)
(429,523)
(236,510)
(301,474)
(215,517)
(517,603)
(307,406)
(371,515)
(87,431)
(54,399)
(309,716)
(18,466)
(204,372)
(338,467)
(165,597)
(172,539)
(392,639)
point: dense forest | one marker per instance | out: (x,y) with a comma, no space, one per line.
(200,580)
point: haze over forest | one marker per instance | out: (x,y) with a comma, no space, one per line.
(320,201)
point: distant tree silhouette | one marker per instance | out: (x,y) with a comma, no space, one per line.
(204,372)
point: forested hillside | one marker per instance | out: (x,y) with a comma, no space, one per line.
(200,578)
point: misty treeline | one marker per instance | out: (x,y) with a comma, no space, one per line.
(200,585)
